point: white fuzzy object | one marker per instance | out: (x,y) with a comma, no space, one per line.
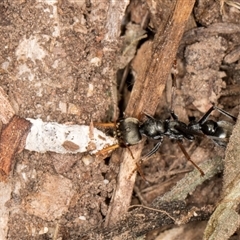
(62,138)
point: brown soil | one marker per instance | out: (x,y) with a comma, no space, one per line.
(59,62)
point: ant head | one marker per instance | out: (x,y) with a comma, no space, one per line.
(128,131)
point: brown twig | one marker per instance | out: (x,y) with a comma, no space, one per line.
(143,219)
(145,97)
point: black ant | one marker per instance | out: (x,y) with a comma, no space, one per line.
(130,131)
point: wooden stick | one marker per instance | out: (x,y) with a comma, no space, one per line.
(145,97)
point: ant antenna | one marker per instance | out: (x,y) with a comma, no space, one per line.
(173,93)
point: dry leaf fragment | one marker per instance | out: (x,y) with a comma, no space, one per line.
(12,139)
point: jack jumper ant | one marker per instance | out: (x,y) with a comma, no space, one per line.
(130,130)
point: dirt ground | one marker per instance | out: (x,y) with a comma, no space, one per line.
(63,61)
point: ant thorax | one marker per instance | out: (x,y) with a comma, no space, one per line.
(153,128)
(175,130)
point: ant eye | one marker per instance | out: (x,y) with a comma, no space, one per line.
(127,129)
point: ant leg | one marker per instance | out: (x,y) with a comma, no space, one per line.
(173,115)
(140,171)
(189,159)
(226,113)
(122,144)
(147,115)
(128,148)
(174,77)
(155,148)
(207,114)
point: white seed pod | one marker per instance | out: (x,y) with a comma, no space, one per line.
(62,138)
